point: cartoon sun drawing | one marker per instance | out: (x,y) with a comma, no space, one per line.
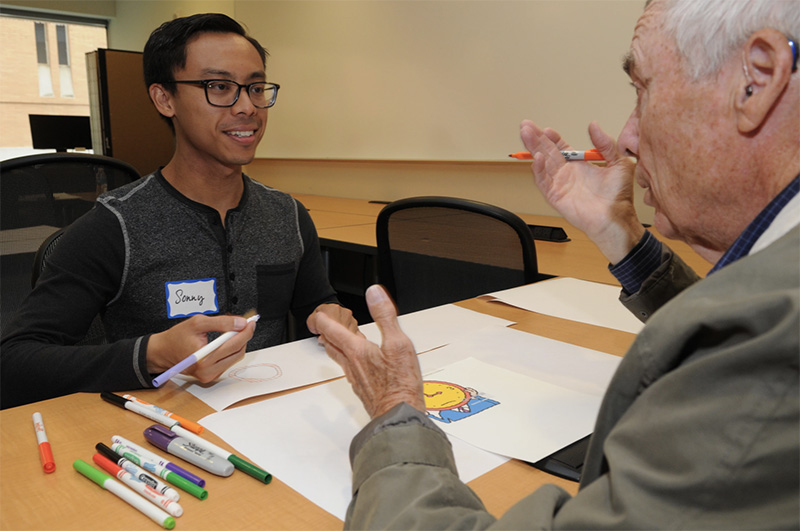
(448,402)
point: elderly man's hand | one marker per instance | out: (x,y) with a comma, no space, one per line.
(598,200)
(384,376)
(167,348)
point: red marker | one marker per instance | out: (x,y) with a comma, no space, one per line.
(45,452)
(591,154)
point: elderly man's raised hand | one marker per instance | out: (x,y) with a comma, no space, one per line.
(596,199)
(384,376)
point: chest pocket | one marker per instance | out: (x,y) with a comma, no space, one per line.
(275,284)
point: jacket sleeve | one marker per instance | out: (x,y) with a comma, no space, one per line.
(39,357)
(671,277)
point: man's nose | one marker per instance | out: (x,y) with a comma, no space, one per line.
(628,141)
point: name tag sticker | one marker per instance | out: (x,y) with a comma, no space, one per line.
(191,297)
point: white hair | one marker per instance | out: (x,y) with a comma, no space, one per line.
(707,32)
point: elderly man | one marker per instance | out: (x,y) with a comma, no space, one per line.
(699,427)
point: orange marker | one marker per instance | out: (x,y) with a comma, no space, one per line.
(591,154)
(45,452)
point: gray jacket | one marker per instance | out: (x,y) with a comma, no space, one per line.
(700,426)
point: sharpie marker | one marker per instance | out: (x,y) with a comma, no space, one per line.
(45,452)
(238,462)
(187,450)
(151,479)
(107,482)
(592,155)
(188,424)
(199,354)
(161,471)
(148,410)
(146,492)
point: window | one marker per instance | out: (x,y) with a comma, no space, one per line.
(64,68)
(43,57)
(45,81)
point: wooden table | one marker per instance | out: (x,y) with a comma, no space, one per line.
(31,499)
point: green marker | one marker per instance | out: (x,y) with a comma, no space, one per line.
(129,496)
(179,481)
(238,462)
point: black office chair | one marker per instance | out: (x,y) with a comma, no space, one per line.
(51,190)
(96,334)
(56,188)
(438,250)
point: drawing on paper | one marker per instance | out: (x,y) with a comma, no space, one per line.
(448,402)
(261,372)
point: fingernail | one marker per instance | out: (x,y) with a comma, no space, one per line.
(239,323)
(375,294)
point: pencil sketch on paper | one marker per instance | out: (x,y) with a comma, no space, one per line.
(448,402)
(260,372)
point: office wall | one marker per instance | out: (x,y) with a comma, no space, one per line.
(439,80)
(135,19)
(383,100)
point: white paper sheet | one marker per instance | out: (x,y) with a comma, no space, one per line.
(570,366)
(303,439)
(305,362)
(573,299)
(505,412)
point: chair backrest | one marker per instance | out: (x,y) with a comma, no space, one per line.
(56,188)
(96,334)
(42,254)
(438,250)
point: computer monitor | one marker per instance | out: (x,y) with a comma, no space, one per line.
(60,132)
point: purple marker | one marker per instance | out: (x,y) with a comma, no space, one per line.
(187,450)
(201,353)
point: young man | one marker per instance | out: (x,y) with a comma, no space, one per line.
(183,252)
(700,426)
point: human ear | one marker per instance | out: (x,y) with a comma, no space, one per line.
(161,99)
(768,68)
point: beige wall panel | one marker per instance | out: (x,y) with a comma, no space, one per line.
(439,80)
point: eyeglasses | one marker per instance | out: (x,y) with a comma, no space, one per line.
(225,93)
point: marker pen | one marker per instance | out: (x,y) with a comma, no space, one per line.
(45,452)
(161,471)
(199,354)
(188,424)
(151,479)
(150,456)
(106,482)
(187,450)
(590,155)
(238,462)
(124,403)
(146,492)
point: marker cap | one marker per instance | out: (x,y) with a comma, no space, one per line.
(188,486)
(106,464)
(91,472)
(250,469)
(107,452)
(46,455)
